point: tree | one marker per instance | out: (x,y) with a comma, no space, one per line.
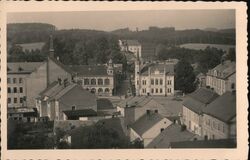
(185,77)
(231,55)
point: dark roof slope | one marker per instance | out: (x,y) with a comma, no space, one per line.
(172,133)
(23,67)
(224,70)
(89,70)
(223,108)
(146,122)
(104,103)
(80,113)
(199,99)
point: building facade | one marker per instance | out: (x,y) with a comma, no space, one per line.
(154,79)
(99,79)
(131,46)
(222,78)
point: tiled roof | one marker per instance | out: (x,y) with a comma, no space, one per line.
(169,68)
(198,100)
(137,101)
(23,67)
(223,108)
(89,70)
(220,143)
(172,133)
(224,69)
(145,122)
(104,103)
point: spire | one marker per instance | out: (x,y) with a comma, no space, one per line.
(51,47)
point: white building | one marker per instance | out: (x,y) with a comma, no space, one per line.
(131,46)
(154,78)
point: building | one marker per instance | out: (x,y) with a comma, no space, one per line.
(222,78)
(201,78)
(133,108)
(131,46)
(66,101)
(105,107)
(220,118)
(154,79)
(193,106)
(173,133)
(32,46)
(25,80)
(23,114)
(98,79)
(147,127)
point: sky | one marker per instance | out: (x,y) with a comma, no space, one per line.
(111,20)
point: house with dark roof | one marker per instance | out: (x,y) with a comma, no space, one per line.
(156,78)
(105,107)
(131,46)
(26,80)
(148,127)
(98,79)
(23,114)
(66,101)
(222,78)
(173,133)
(132,108)
(193,108)
(219,118)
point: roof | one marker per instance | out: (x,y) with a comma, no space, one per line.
(64,67)
(172,133)
(223,70)
(27,112)
(220,143)
(137,101)
(198,100)
(132,42)
(223,108)
(23,67)
(104,103)
(161,67)
(145,122)
(32,46)
(80,113)
(89,70)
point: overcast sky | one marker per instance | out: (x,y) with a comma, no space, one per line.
(111,20)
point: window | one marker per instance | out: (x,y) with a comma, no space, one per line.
(15,100)
(14,80)
(169,82)
(156,81)
(169,90)
(156,111)
(223,128)
(160,90)
(218,127)
(86,81)
(20,80)
(106,81)
(106,90)
(232,86)
(73,108)
(152,81)
(15,90)
(148,111)
(21,89)
(152,90)
(9,100)
(93,81)
(8,80)
(214,125)
(156,90)
(100,82)
(162,129)
(161,81)
(9,90)
(21,100)
(100,90)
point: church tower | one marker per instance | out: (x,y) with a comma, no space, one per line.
(137,75)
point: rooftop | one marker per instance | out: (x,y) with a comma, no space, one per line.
(223,108)
(137,101)
(80,113)
(172,133)
(104,103)
(145,122)
(89,70)
(223,70)
(161,67)
(23,67)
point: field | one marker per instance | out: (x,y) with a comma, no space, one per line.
(202,46)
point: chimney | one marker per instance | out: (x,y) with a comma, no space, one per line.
(51,47)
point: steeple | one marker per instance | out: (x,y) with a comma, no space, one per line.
(51,47)
(110,68)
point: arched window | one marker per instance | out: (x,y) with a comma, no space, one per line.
(106,90)
(93,81)
(86,81)
(100,82)
(93,90)
(106,81)
(100,90)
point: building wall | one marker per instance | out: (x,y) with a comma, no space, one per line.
(133,135)
(153,132)
(214,128)
(136,49)
(192,120)
(98,89)
(17,81)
